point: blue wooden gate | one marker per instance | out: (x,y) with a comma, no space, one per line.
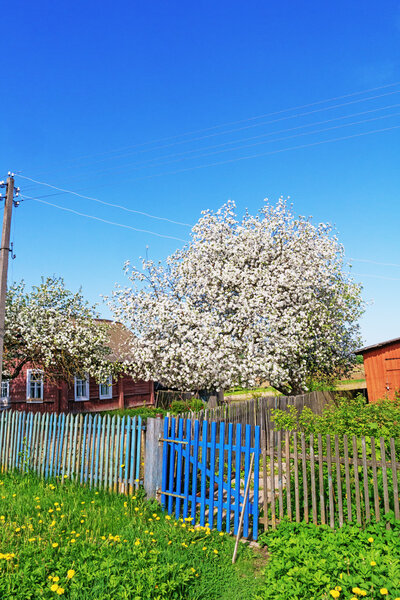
(205,470)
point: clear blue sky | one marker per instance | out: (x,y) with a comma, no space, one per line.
(87,85)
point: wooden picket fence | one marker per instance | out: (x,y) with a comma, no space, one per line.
(258,411)
(101,452)
(329,479)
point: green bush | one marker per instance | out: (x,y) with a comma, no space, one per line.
(310,562)
(350,416)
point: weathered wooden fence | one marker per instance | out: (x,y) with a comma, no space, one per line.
(258,410)
(101,452)
(204,474)
(329,479)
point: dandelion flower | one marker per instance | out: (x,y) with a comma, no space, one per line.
(384,591)
(370,539)
(54,587)
(70,573)
(60,591)
(373,563)
(55,545)
(334,593)
(215,551)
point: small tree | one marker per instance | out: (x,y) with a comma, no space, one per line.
(56,330)
(264,298)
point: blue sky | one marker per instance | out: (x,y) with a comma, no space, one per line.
(103,98)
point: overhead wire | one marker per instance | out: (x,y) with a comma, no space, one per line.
(70,210)
(184,155)
(269,114)
(139,212)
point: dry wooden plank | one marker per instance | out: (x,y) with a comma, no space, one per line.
(272,475)
(321,481)
(365,479)
(330,483)
(375,481)
(280,475)
(347,477)
(313,487)
(288,476)
(296,477)
(386,505)
(305,482)
(394,479)
(356,480)
(338,483)
(265,479)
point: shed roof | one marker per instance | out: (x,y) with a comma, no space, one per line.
(380,345)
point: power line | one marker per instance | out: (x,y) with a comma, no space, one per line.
(105,220)
(240,147)
(138,212)
(374,262)
(377,276)
(261,154)
(150,163)
(270,114)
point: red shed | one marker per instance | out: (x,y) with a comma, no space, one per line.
(382,369)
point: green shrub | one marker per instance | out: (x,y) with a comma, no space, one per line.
(350,416)
(310,562)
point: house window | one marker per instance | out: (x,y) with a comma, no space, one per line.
(82,388)
(34,385)
(105,389)
(5,392)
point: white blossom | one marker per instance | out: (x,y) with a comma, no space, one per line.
(54,329)
(267,297)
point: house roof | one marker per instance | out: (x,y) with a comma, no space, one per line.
(380,345)
(119,338)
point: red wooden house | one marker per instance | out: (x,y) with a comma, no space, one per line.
(382,369)
(31,390)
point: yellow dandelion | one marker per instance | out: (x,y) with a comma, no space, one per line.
(70,573)
(73,541)
(372,563)
(370,539)
(56,578)
(54,587)
(55,545)
(60,591)
(334,593)
(215,551)
(384,591)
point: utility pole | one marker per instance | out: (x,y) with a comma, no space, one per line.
(5,250)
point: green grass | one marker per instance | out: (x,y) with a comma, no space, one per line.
(261,390)
(115,547)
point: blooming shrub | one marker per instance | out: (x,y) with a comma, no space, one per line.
(316,563)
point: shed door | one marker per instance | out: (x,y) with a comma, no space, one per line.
(392,371)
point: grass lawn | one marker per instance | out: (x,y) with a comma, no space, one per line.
(69,541)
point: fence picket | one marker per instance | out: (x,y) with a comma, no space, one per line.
(288,476)
(304,472)
(321,481)
(339,482)
(356,480)
(256,469)
(238,458)
(229,479)
(313,486)
(394,479)
(330,482)
(365,478)
(375,481)
(212,473)
(384,476)
(347,478)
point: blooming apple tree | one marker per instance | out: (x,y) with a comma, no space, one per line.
(267,297)
(54,329)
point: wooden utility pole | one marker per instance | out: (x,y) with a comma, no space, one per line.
(4,256)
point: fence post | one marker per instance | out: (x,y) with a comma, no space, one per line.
(153,457)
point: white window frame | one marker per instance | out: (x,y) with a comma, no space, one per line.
(108,382)
(87,395)
(5,400)
(29,374)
